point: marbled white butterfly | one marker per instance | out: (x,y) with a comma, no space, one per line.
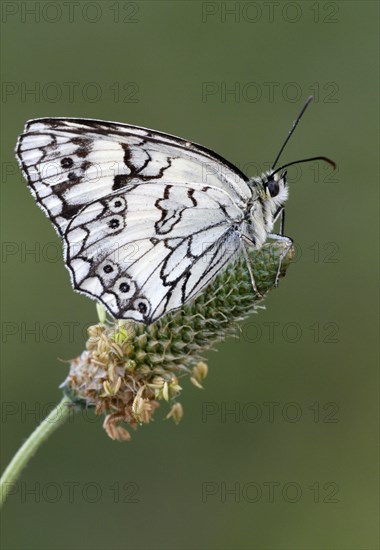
(147,219)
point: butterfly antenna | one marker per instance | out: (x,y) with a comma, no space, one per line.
(325,159)
(295,124)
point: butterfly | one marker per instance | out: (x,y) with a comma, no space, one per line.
(147,219)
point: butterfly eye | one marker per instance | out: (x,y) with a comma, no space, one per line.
(273,187)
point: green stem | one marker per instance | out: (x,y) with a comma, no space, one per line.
(55,419)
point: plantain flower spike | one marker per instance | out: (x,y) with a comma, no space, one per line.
(128,368)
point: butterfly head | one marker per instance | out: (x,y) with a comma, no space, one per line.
(269,193)
(271,189)
(274,188)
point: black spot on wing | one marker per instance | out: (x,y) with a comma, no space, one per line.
(85,165)
(120,181)
(69,210)
(82,142)
(74,179)
(67,162)
(82,152)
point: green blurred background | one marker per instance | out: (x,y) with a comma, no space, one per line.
(232,76)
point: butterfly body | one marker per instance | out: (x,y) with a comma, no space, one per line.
(147,219)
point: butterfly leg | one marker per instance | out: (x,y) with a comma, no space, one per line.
(246,257)
(282,223)
(280,212)
(289,244)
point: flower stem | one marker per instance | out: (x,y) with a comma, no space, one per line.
(55,419)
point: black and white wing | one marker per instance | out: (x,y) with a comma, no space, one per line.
(149,249)
(148,219)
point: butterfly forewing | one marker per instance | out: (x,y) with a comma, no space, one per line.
(148,219)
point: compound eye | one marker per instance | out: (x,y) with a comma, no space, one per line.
(273,187)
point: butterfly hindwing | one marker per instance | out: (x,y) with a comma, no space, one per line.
(148,250)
